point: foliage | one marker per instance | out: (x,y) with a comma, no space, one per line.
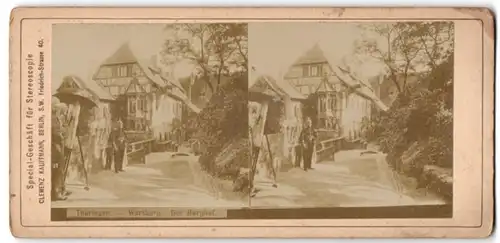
(419,122)
(216,50)
(407,47)
(220,125)
(417,131)
(426,121)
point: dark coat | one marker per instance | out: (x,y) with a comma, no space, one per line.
(307,137)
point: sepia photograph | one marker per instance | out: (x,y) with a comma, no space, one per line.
(251,122)
(148,115)
(347,114)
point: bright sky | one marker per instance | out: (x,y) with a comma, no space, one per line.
(273,47)
(79,49)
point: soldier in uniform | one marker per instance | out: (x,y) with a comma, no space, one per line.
(307,139)
(119,150)
(119,141)
(110,150)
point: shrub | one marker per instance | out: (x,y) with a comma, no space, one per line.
(423,119)
(220,125)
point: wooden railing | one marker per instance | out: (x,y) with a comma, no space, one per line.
(137,151)
(326,149)
(194,146)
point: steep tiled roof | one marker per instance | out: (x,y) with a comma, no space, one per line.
(177,94)
(359,87)
(281,88)
(362,88)
(313,55)
(122,55)
(125,54)
(92,87)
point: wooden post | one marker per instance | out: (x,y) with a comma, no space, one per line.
(83,163)
(71,121)
(272,161)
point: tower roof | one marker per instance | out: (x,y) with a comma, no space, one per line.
(134,87)
(325,87)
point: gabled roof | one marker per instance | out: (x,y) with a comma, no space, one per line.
(263,86)
(281,88)
(264,83)
(156,70)
(75,82)
(359,87)
(313,55)
(362,88)
(177,94)
(125,54)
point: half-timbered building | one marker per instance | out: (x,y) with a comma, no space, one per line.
(337,100)
(149,103)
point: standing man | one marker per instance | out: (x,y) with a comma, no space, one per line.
(307,139)
(110,149)
(119,147)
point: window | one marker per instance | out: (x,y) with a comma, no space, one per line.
(323,104)
(179,104)
(142,104)
(139,103)
(314,71)
(130,124)
(305,70)
(131,105)
(123,71)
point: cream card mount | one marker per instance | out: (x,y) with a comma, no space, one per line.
(251,122)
